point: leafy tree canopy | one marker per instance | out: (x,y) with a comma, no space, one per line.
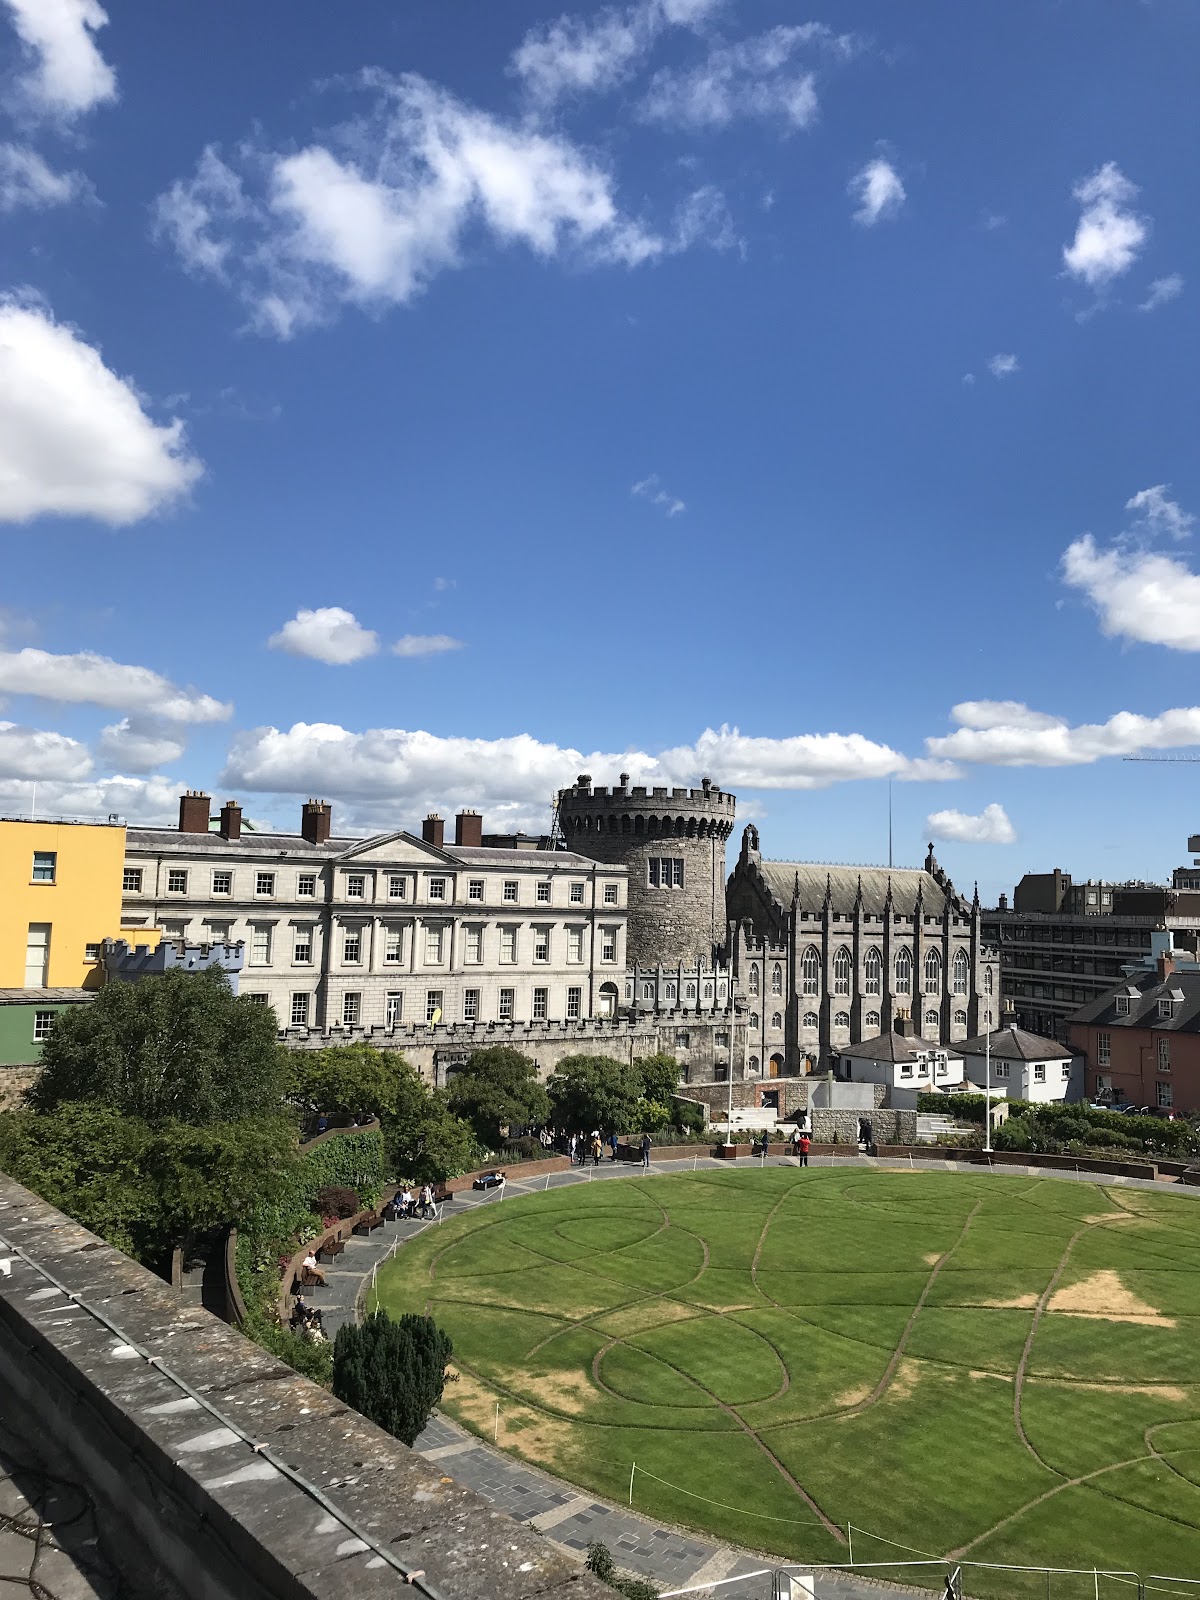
(498,1089)
(392,1372)
(180,1047)
(660,1077)
(595,1092)
(432,1145)
(351,1079)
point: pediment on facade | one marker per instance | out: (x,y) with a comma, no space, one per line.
(396,850)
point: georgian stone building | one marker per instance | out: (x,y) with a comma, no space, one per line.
(828,956)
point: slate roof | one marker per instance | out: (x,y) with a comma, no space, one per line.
(169,841)
(1015,1044)
(44,997)
(1144,990)
(893,1047)
(483,856)
(843,882)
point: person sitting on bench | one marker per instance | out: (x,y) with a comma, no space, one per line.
(310,1272)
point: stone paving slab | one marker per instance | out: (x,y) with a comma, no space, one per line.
(49,1538)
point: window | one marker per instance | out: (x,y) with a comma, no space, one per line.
(45,865)
(665,872)
(810,1020)
(299,1011)
(1165,1096)
(351,1008)
(397,887)
(306,886)
(1164,1007)
(352,946)
(470,1005)
(1000,1068)
(508,946)
(671,992)
(264,883)
(574,1004)
(810,972)
(174,930)
(1164,1055)
(988,979)
(841,971)
(433,1006)
(435,939)
(131,880)
(541,999)
(777,1019)
(43,1021)
(683,1038)
(873,972)
(574,944)
(903,970)
(543,894)
(1122,1005)
(475,889)
(394,1009)
(754,1017)
(302,946)
(721,1041)
(1066,1071)
(176,880)
(933,971)
(437,888)
(473,945)
(754,978)
(777,979)
(576,894)
(608,944)
(754,1064)
(1039,1072)
(258,999)
(91,952)
(1103,1049)
(541,944)
(960,1019)
(871,1020)
(511,891)
(648,994)
(610,894)
(961,972)
(356,886)
(505,1010)
(393,946)
(931,1020)
(260,944)
(690,992)
(222,883)
(842,1019)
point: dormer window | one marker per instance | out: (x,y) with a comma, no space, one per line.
(1122,1005)
(1164,1006)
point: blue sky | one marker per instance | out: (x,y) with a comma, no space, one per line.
(416,404)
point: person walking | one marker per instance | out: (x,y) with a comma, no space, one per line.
(804,1143)
(613,1142)
(571,1146)
(597,1150)
(646,1142)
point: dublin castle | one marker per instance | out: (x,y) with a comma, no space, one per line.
(618,933)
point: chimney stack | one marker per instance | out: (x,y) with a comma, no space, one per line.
(193,812)
(468,829)
(1008,1015)
(316,818)
(231,820)
(433,830)
(1166,965)
(904,1025)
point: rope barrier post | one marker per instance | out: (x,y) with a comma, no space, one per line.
(496,1435)
(850,1542)
(632,1470)
(1095,1572)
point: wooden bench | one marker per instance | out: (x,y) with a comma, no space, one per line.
(373,1220)
(331,1249)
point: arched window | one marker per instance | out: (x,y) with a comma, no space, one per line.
(962,971)
(987,979)
(708,991)
(931,1021)
(754,977)
(691,991)
(647,991)
(753,1063)
(810,1020)
(960,1019)
(842,1019)
(754,1019)
(841,971)
(810,972)
(777,1019)
(904,971)
(669,991)
(933,970)
(873,972)
(871,1020)
(777,979)
(629,991)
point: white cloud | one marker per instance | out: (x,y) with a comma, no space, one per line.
(878,190)
(374,220)
(991,826)
(89,679)
(74,438)
(1163,290)
(67,75)
(1003,366)
(27,180)
(1109,235)
(651,489)
(576,56)
(1138,594)
(754,77)
(1159,513)
(330,634)
(34,753)
(1008,734)
(138,745)
(137,799)
(425,644)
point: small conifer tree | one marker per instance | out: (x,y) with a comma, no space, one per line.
(393,1372)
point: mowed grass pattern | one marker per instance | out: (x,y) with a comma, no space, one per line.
(1001,1368)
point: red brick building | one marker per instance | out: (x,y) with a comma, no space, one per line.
(1141,1040)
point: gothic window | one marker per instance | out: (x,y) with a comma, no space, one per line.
(647,991)
(753,1063)
(669,991)
(777,979)
(931,1020)
(754,977)
(777,1019)
(872,1019)
(842,1019)
(962,971)
(691,991)
(754,1019)
(933,971)
(873,972)
(841,971)
(809,1020)
(987,979)
(810,972)
(904,971)
(960,1019)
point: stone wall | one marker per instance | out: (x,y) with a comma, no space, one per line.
(887,1127)
(792,1092)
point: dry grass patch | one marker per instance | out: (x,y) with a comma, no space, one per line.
(852,1397)
(529,1433)
(1019,1302)
(558,1391)
(645,1314)
(1105,1298)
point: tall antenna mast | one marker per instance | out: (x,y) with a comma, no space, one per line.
(889,821)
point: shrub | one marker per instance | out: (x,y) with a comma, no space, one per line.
(393,1372)
(335,1202)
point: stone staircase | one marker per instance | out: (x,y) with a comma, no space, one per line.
(933,1128)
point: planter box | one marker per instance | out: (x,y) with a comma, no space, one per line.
(730,1152)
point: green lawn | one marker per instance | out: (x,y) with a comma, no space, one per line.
(783,1353)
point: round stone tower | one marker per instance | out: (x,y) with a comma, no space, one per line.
(673,842)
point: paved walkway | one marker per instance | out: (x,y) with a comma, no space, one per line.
(658,1552)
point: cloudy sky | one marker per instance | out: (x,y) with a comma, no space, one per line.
(417,404)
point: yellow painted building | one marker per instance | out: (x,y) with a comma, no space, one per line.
(60,896)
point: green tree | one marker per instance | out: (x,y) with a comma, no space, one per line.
(351,1079)
(178,1047)
(393,1372)
(498,1089)
(660,1077)
(595,1092)
(431,1145)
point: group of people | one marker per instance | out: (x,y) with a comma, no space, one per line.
(405,1204)
(581,1145)
(306,1321)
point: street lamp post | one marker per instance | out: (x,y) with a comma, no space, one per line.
(987,1083)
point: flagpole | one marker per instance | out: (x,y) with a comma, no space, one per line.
(987,1082)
